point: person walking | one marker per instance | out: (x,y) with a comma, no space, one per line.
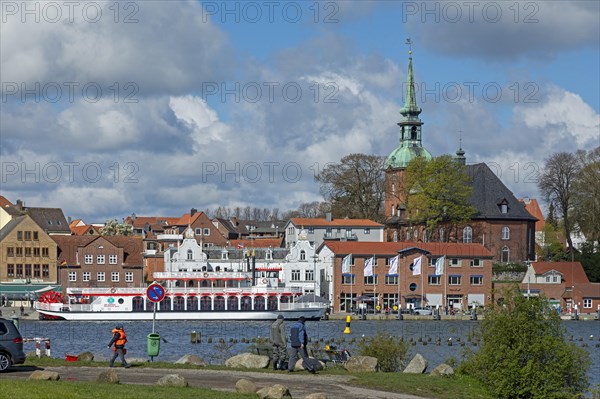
(279,340)
(118,340)
(298,340)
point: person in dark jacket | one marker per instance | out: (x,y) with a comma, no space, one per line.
(298,340)
(119,339)
(279,340)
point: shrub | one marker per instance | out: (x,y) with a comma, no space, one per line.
(389,351)
(524,353)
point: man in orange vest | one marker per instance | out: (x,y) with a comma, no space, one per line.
(119,338)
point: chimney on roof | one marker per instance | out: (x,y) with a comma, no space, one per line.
(328,217)
(193,211)
(20,205)
(133,216)
(69,219)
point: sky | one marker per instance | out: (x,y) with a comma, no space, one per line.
(157,107)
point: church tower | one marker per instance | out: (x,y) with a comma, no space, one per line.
(409,148)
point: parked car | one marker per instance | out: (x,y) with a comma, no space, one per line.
(423,311)
(11,345)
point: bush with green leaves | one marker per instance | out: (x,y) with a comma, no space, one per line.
(389,351)
(524,353)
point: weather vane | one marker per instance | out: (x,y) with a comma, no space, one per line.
(409,42)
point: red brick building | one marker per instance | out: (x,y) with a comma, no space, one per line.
(466,280)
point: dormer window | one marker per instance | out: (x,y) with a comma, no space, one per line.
(269,254)
(224,255)
(503,205)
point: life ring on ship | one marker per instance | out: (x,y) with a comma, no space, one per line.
(113,290)
(205,275)
(264,281)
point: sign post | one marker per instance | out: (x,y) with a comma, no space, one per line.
(155,293)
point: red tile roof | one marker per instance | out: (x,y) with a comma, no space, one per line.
(588,290)
(83,230)
(187,220)
(533,207)
(4,202)
(392,248)
(68,245)
(322,222)
(572,272)
(141,221)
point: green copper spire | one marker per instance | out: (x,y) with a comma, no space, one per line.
(410,125)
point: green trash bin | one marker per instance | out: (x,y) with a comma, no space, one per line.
(153,344)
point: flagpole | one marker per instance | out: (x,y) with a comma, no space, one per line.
(399,298)
(351,284)
(422,285)
(373,264)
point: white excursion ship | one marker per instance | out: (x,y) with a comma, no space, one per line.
(193,291)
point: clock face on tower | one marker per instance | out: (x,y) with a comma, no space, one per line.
(189,233)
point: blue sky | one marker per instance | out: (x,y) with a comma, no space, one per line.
(165,135)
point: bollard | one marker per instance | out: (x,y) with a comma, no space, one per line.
(48,347)
(347,329)
(38,351)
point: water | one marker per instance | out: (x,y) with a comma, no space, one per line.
(77,337)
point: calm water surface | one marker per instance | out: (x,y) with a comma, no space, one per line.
(76,337)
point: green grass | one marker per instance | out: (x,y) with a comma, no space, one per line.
(455,387)
(87,390)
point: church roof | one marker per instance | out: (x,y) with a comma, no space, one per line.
(489,193)
(401,156)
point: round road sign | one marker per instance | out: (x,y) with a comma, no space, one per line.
(155,292)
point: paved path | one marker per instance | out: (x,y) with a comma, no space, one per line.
(300,384)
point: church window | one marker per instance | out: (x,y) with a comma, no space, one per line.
(506,233)
(413,133)
(468,235)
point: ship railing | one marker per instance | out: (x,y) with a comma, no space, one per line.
(201,275)
(302,305)
(99,290)
(63,307)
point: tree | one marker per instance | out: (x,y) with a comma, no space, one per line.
(113,228)
(524,353)
(313,209)
(556,186)
(437,191)
(551,219)
(586,195)
(355,186)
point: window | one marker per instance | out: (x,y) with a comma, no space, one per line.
(27,270)
(505,255)
(198,231)
(348,233)
(311,230)
(468,235)
(455,279)
(547,279)
(114,277)
(367,230)
(587,303)
(295,275)
(190,255)
(309,275)
(476,280)
(19,272)
(10,270)
(555,279)
(290,230)
(505,233)
(129,277)
(476,263)
(27,251)
(503,208)
(224,255)
(36,271)
(20,235)
(302,255)
(391,280)
(100,276)
(371,280)
(88,259)
(112,259)
(269,254)
(328,232)
(45,252)
(28,236)
(434,280)
(86,276)
(45,271)
(19,251)
(36,252)
(100,259)
(206,231)
(72,276)
(454,262)
(348,279)
(35,236)
(10,251)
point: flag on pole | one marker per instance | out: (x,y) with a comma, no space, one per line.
(439,265)
(394,265)
(346,263)
(369,266)
(417,266)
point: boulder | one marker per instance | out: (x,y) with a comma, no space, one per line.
(245,386)
(361,364)
(172,380)
(108,377)
(44,375)
(276,391)
(317,363)
(417,365)
(136,360)
(248,360)
(316,395)
(443,370)
(192,359)
(85,357)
